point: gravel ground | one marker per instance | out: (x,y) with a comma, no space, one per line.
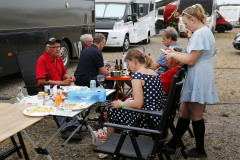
(222,119)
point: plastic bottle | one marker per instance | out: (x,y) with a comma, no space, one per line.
(58,98)
(20,95)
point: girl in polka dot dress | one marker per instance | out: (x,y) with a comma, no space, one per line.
(147,92)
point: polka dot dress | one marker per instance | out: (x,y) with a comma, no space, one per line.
(152,91)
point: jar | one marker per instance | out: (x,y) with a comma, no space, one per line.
(41,98)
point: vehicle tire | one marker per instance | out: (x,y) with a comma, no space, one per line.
(126,44)
(221,29)
(65,54)
(146,41)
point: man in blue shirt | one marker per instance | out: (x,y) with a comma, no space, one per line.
(91,64)
(169,39)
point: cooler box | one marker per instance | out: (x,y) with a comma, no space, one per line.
(87,95)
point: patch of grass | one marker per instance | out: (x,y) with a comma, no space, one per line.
(224,115)
(217,147)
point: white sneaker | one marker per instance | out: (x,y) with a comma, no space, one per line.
(102,155)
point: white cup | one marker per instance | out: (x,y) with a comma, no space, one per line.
(67,107)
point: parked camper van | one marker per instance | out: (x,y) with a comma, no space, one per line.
(27,24)
(231,14)
(221,24)
(125,21)
(208,5)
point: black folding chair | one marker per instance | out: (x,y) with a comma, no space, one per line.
(26,62)
(127,145)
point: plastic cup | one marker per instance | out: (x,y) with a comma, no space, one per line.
(67,107)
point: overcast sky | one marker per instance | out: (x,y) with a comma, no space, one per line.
(228,1)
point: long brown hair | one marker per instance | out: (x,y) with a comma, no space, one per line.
(195,11)
(139,56)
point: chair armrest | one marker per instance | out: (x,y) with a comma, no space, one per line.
(157,113)
(123,127)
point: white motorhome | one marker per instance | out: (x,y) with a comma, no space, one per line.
(231,14)
(125,21)
(208,5)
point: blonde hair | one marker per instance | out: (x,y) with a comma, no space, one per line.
(139,56)
(195,11)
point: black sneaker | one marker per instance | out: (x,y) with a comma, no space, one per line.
(195,154)
(67,133)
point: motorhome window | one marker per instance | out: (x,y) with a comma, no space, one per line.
(151,7)
(130,13)
(143,9)
(218,17)
(140,10)
(160,12)
(110,10)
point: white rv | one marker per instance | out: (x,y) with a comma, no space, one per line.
(208,5)
(125,21)
(231,14)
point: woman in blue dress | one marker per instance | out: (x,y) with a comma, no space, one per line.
(147,92)
(199,87)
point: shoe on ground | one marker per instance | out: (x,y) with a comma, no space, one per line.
(193,153)
(67,133)
(170,150)
(102,155)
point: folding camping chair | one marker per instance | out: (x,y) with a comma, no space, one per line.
(127,145)
(26,62)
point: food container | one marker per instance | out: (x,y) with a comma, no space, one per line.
(87,95)
(116,73)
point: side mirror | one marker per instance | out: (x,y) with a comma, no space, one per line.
(134,17)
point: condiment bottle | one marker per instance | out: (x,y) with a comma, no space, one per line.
(121,65)
(47,85)
(116,65)
(58,98)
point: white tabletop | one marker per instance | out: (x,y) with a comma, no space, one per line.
(60,111)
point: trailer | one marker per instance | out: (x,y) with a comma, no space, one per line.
(27,24)
(125,21)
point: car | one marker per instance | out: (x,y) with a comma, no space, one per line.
(236,41)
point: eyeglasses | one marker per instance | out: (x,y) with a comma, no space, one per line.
(56,47)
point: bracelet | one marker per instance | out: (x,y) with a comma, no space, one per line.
(122,105)
(172,55)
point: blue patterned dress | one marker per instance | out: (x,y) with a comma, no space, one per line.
(152,91)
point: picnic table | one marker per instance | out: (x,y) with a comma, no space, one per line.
(21,122)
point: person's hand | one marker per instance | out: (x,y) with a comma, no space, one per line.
(72,78)
(111,69)
(116,104)
(168,54)
(67,82)
(189,33)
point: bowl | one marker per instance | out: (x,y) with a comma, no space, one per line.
(116,73)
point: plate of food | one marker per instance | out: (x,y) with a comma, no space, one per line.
(75,106)
(39,110)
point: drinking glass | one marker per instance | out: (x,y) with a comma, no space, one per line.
(100,79)
(67,107)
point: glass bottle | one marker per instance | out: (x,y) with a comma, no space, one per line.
(121,65)
(116,65)
(20,95)
(58,98)
(47,85)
